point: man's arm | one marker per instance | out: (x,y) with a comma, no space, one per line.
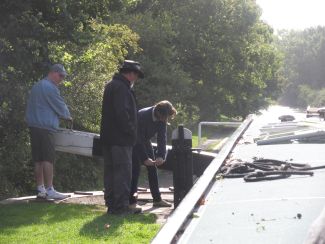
(57,103)
(142,143)
(121,108)
(161,143)
(144,147)
(143,153)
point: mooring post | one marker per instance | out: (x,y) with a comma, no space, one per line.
(182,163)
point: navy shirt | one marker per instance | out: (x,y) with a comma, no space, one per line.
(148,127)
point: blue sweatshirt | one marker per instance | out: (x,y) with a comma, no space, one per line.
(45,106)
(147,128)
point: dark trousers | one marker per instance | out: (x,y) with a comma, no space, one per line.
(117,177)
(152,177)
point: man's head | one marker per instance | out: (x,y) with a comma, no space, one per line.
(57,73)
(164,111)
(131,70)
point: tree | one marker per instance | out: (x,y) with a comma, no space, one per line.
(34,34)
(304,53)
(224,53)
(228,52)
(209,58)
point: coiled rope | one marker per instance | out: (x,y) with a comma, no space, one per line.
(265,169)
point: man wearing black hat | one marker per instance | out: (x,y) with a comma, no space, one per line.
(118,135)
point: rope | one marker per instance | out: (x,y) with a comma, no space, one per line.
(265,169)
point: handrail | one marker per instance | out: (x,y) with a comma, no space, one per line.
(230,124)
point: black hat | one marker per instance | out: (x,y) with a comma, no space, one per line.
(130,65)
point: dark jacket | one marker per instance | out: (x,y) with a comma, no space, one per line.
(148,128)
(119,113)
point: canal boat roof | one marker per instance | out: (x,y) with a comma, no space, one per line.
(276,211)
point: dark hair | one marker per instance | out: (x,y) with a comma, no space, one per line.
(164,109)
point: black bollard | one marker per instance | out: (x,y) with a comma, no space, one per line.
(181,155)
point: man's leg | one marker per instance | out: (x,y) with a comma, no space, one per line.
(48,173)
(153,176)
(122,163)
(39,174)
(136,166)
(36,146)
(48,159)
(154,188)
(153,183)
(108,178)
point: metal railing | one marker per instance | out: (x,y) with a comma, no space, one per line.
(229,124)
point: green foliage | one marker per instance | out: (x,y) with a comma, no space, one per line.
(164,78)
(35,34)
(310,97)
(209,58)
(30,223)
(304,53)
(228,52)
(90,67)
(224,51)
(187,115)
(73,172)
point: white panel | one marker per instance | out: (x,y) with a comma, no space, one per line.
(75,142)
(187,134)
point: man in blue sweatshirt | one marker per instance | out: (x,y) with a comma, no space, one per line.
(151,121)
(45,107)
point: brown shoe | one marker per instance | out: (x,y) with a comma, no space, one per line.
(162,204)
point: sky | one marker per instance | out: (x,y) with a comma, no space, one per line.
(293,14)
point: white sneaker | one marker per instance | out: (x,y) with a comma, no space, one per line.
(41,195)
(53,194)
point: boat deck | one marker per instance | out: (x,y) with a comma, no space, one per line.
(276,211)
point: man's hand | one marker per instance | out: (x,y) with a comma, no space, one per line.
(70,122)
(149,162)
(159,161)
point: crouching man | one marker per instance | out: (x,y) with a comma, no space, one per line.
(151,121)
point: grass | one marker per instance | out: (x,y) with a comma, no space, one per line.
(211,133)
(208,132)
(195,140)
(71,223)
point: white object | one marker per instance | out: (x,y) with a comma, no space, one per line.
(75,142)
(296,135)
(53,194)
(187,134)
